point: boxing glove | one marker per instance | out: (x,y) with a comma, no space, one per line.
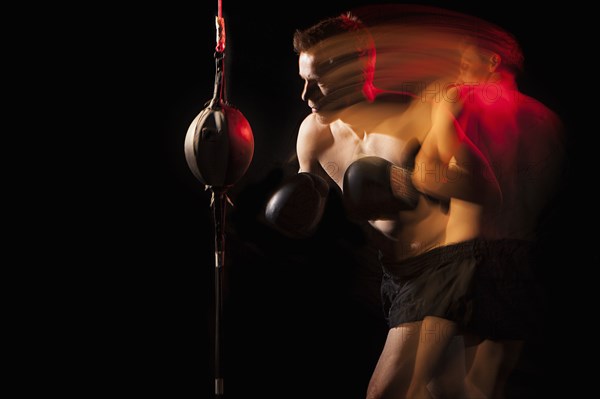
(297,207)
(374,188)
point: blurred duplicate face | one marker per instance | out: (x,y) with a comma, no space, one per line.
(475,66)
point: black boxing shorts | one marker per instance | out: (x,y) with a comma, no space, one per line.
(486,286)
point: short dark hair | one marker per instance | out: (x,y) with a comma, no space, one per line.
(343,24)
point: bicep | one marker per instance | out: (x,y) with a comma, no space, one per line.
(442,140)
(447,153)
(448,134)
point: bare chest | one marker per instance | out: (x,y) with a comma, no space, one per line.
(386,141)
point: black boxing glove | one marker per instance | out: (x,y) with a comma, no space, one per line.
(297,207)
(374,188)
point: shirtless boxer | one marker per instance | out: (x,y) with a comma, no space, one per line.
(365,140)
(523,141)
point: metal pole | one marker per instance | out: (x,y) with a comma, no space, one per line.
(219,204)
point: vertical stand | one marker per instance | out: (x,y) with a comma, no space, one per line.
(219,204)
(218,149)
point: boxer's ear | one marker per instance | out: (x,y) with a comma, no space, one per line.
(495,61)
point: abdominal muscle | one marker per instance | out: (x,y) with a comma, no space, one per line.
(429,226)
(412,232)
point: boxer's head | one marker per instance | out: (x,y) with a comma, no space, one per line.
(336,62)
(490,52)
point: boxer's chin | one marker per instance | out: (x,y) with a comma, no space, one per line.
(326,117)
(329,113)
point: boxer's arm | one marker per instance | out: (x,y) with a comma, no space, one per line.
(297,206)
(449,165)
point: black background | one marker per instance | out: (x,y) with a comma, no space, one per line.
(298,323)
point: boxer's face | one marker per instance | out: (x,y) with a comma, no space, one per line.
(475,66)
(329,84)
(315,86)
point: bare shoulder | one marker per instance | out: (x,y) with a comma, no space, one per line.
(536,116)
(443,94)
(449,107)
(313,138)
(312,128)
(449,101)
(543,134)
(536,109)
